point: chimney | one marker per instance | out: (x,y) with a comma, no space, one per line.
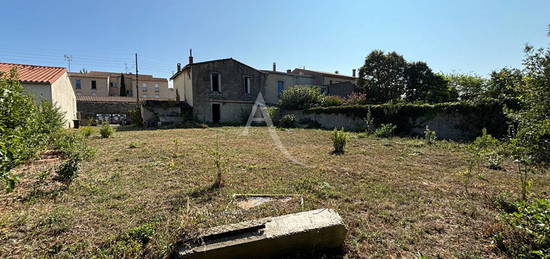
(353,72)
(178,67)
(288,71)
(274,67)
(190,56)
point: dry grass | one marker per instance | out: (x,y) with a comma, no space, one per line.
(144,189)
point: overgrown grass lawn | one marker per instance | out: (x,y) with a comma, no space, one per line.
(144,189)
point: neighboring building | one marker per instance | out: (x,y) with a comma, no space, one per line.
(47,83)
(328,83)
(108,84)
(221,90)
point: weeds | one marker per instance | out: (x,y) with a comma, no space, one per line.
(219,163)
(429,136)
(86,131)
(385,131)
(106,131)
(339,140)
(288,121)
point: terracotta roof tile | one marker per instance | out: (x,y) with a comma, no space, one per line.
(34,74)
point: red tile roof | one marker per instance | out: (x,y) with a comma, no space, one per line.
(34,74)
(122,99)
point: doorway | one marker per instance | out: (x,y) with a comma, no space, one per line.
(216,112)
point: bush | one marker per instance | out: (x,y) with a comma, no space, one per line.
(301,97)
(288,121)
(49,118)
(385,131)
(429,136)
(273,113)
(356,99)
(106,131)
(339,140)
(488,149)
(330,100)
(86,131)
(529,234)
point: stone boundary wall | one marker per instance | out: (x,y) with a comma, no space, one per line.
(88,110)
(452,126)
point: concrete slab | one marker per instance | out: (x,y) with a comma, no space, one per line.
(271,237)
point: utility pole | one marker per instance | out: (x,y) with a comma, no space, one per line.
(68,58)
(137,82)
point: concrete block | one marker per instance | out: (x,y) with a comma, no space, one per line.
(271,237)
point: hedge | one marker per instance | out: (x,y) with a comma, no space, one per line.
(487,114)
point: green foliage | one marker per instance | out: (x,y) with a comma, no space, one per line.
(273,113)
(123,85)
(67,171)
(339,140)
(468,87)
(356,99)
(50,118)
(25,128)
(385,130)
(106,130)
(330,100)
(288,121)
(429,136)
(424,86)
(505,84)
(529,236)
(488,149)
(219,163)
(301,97)
(477,115)
(369,122)
(86,131)
(383,77)
(132,242)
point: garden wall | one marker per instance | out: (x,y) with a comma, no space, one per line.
(455,121)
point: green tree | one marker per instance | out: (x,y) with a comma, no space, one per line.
(18,140)
(532,139)
(468,87)
(425,86)
(122,85)
(505,84)
(382,77)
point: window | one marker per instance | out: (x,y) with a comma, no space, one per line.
(94,86)
(144,87)
(157,88)
(215,82)
(157,96)
(280,87)
(78,84)
(247,80)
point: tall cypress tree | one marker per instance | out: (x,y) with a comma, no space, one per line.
(122,85)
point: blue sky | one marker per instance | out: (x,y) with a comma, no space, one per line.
(451,36)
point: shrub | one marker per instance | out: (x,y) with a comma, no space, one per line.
(273,113)
(330,100)
(67,171)
(301,97)
(86,131)
(429,136)
(528,232)
(50,118)
(106,131)
(385,131)
(369,122)
(488,149)
(288,121)
(339,140)
(356,99)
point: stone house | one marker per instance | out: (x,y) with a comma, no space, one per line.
(329,83)
(47,83)
(103,84)
(220,91)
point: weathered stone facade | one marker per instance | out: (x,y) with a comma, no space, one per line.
(90,110)
(237,86)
